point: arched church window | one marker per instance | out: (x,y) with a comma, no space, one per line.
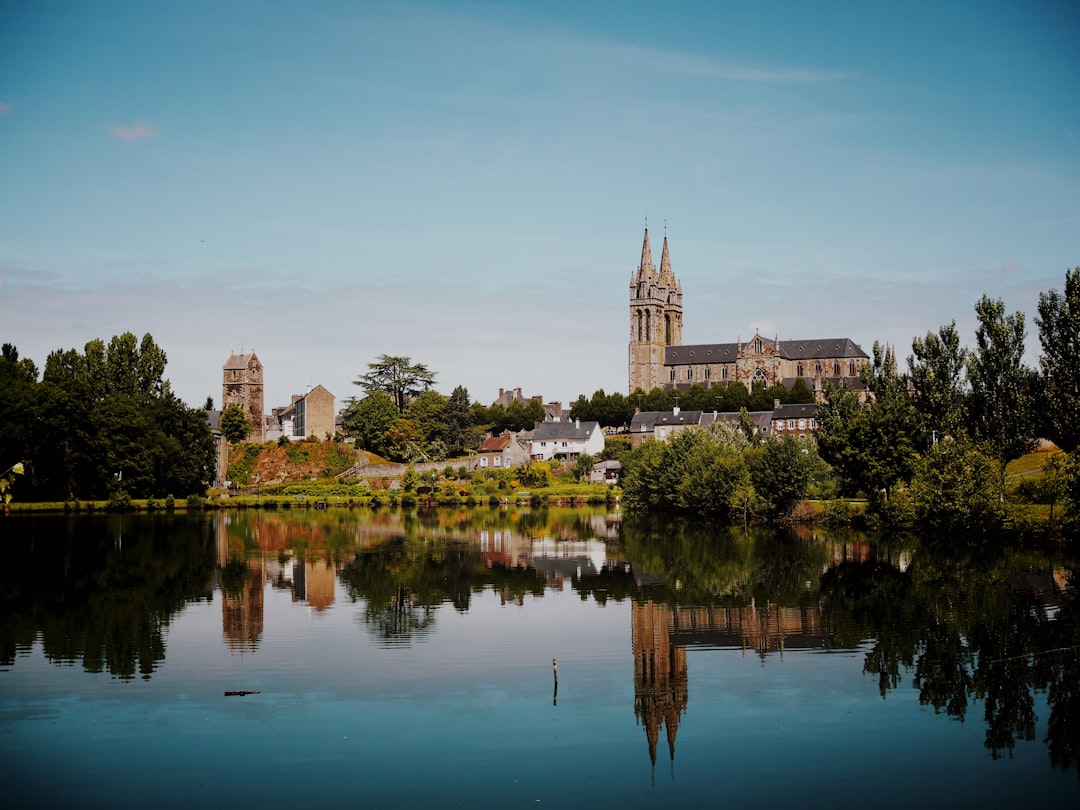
(817,368)
(836,368)
(707,372)
(648,325)
(851,368)
(759,377)
(667,330)
(757,346)
(723,372)
(639,325)
(799,369)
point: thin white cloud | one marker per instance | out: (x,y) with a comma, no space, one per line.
(138,131)
(693,65)
(1009,268)
(6,107)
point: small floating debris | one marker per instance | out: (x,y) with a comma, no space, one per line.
(242,692)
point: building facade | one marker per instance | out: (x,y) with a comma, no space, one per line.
(314,414)
(658,357)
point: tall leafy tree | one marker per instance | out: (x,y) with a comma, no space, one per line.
(1000,405)
(936,365)
(369,419)
(459,420)
(872,446)
(106,420)
(399,377)
(1059,365)
(430,413)
(18,379)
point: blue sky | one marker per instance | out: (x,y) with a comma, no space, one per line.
(467,183)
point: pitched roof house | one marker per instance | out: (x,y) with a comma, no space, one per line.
(566,440)
(500,452)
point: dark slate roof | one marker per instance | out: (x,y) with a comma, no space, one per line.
(821,348)
(761,418)
(701,353)
(564,431)
(795,412)
(646,421)
(789,349)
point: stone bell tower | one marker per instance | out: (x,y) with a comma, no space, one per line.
(655,318)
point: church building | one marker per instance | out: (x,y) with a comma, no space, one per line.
(658,357)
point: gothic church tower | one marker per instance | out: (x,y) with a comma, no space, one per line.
(655,317)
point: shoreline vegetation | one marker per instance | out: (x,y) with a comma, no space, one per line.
(534,485)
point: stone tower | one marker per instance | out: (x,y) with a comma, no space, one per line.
(655,317)
(243,385)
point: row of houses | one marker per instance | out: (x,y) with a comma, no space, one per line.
(566,441)
(783,420)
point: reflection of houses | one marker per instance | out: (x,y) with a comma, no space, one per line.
(661,633)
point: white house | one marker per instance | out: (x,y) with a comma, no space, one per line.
(566,440)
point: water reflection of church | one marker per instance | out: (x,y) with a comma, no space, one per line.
(662,632)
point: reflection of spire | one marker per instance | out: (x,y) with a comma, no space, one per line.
(660,688)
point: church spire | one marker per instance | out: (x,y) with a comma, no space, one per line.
(646,269)
(666,273)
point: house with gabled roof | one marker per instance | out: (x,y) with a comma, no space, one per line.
(500,452)
(566,441)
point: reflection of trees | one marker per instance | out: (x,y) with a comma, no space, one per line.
(697,562)
(968,630)
(100,590)
(403,582)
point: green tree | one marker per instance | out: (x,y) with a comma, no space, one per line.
(405,441)
(234,424)
(397,376)
(957,489)
(871,446)
(800,393)
(936,365)
(106,422)
(999,409)
(583,466)
(780,471)
(410,479)
(582,408)
(1059,336)
(430,411)
(369,420)
(460,435)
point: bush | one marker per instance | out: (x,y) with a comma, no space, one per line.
(170,503)
(120,501)
(836,513)
(196,503)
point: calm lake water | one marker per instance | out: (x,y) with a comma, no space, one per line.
(407,661)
